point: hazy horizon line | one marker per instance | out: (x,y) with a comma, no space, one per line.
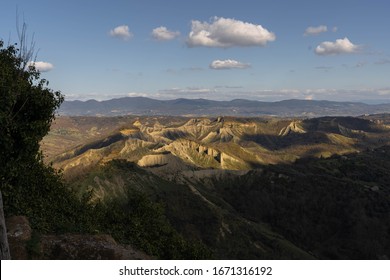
(364,101)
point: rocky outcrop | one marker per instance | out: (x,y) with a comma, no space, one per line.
(194,153)
(233,163)
(352,133)
(292,127)
(164,165)
(86,247)
(19,233)
(134,149)
(65,246)
(157,160)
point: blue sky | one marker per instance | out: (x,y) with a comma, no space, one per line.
(262,50)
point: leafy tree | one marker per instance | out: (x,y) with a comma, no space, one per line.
(27,108)
(30,187)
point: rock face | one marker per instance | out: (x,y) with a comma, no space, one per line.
(292,127)
(156,160)
(65,246)
(19,233)
(86,247)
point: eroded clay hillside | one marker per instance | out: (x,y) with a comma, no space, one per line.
(247,188)
(167,145)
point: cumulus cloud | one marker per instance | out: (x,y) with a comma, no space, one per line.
(226,33)
(311,31)
(41,66)
(228,64)
(163,34)
(121,32)
(340,46)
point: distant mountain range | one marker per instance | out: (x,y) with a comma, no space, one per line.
(143,106)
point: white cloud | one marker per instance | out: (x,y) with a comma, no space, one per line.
(340,46)
(121,32)
(41,66)
(226,32)
(163,34)
(137,94)
(310,31)
(228,64)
